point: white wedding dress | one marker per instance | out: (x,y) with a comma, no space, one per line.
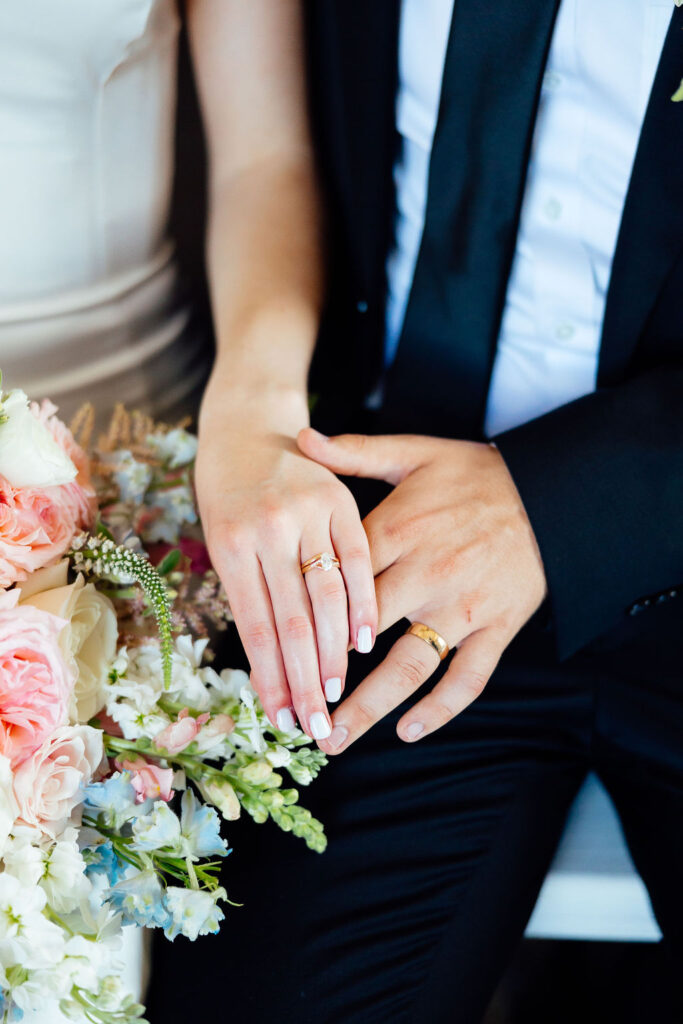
(89,298)
(89,301)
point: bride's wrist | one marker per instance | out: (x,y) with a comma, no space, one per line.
(240,404)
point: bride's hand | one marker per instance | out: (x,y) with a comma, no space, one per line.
(265,510)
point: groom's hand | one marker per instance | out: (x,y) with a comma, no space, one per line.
(451,547)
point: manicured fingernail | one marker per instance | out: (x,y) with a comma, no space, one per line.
(333,689)
(339,736)
(364,640)
(414,730)
(319,726)
(285,720)
(319,434)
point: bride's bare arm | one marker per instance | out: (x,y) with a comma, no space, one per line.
(264,507)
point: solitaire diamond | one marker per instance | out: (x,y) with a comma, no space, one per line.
(326,562)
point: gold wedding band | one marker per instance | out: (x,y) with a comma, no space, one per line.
(324,561)
(431,637)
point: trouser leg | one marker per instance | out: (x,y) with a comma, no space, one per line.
(437,851)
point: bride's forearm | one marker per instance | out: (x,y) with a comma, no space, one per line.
(264,258)
(265,277)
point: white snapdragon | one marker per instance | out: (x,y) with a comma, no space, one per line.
(24,858)
(64,880)
(134,723)
(27,938)
(229,685)
(247,696)
(279,756)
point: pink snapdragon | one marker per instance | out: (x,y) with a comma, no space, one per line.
(35,680)
(149,781)
(179,734)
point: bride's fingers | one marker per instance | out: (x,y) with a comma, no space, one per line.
(328,599)
(297,637)
(351,544)
(251,608)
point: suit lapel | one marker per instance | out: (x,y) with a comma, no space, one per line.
(651,231)
(363,54)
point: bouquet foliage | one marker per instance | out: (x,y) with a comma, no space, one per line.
(121,745)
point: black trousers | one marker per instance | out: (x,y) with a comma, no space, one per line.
(437,850)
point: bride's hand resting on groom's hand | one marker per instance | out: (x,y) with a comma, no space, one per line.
(265,510)
(451,547)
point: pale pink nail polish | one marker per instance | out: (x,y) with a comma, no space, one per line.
(339,736)
(333,689)
(285,720)
(414,730)
(364,640)
(319,726)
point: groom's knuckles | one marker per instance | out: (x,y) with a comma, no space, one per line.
(411,670)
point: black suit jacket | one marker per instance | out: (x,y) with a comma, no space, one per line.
(601,477)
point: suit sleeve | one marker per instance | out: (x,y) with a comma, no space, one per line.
(602,482)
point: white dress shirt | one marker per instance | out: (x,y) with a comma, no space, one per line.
(601,66)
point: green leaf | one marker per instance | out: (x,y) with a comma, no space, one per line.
(103,531)
(169,562)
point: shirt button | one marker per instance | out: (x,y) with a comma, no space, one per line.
(553,209)
(565,331)
(551,80)
(362,306)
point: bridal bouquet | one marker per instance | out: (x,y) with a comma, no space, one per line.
(121,747)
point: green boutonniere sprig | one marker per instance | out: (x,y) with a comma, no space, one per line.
(678,95)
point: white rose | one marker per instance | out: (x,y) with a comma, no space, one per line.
(29,455)
(89,639)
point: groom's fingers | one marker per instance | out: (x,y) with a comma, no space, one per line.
(400,587)
(468,674)
(407,666)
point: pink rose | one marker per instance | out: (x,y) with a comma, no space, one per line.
(50,784)
(37,525)
(80,494)
(179,734)
(35,680)
(149,781)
